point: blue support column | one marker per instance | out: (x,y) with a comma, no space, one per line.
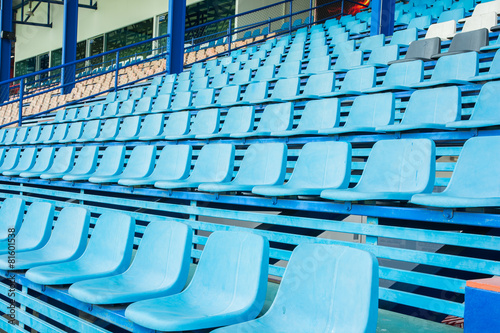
(176,30)
(69,44)
(5,46)
(382,17)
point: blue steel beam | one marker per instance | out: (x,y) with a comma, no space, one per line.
(69,45)
(382,17)
(176,29)
(5,46)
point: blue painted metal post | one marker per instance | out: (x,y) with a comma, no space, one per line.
(69,45)
(229,37)
(176,30)
(21,102)
(382,17)
(5,46)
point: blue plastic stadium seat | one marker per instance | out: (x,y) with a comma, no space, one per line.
(453,70)
(59,134)
(109,252)
(289,69)
(228,96)
(320,165)
(204,98)
(395,170)
(366,114)
(347,61)
(119,96)
(10,160)
(42,163)
(274,118)
(90,131)
(184,76)
(33,134)
(151,91)
(45,135)
(25,163)
(372,42)
(341,37)
(484,113)
(67,242)
(129,129)
(257,91)
(109,130)
(35,229)
(97,111)
(284,89)
(220,80)
(126,108)
(493,72)
(160,268)
(174,163)
(59,117)
(449,15)
(162,103)
(356,81)
(83,113)
(177,125)
(209,300)
(10,136)
(317,115)
(205,122)
(61,163)
(473,182)
(111,164)
(404,37)
(85,163)
(75,131)
(400,76)
(214,164)
(350,305)
(144,105)
(420,23)
(429,109)
(262,164)
(70,115)
(136,93)
(140,164)
(168,89)
(264,73)
(318,52)
(199,83)
(343,47)
(182,101)
(238,120)
(111,110)
(20,136)
(358,28)
(382,56)
(11,216)
(316,85)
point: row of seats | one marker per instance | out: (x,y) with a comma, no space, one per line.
(368,113)
(457,69)
(99,273)
(323,168)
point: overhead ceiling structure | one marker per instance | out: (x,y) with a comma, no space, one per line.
(28,13)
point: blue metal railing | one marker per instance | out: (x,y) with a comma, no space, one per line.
(21,81)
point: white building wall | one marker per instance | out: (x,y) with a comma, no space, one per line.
(110,15)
